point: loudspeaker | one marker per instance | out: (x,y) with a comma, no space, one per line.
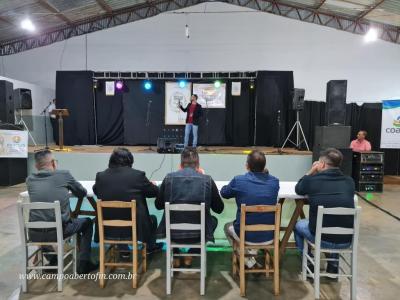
(22,99)
(298,99)
(336,92)
(6,102)
(13,171)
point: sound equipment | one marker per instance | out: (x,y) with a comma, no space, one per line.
(368,171)
(6,102)
(334,137)
(298,99)
(335,111)
(166,145)
(22,99)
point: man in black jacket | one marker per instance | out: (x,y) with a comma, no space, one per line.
(193,113)
(189,186)
(326,185)
(120,182)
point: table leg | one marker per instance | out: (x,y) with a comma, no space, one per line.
(77,209)
(297,212)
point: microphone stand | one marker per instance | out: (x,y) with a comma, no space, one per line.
(148,123)
(279,150)
(44,112)
(207,122)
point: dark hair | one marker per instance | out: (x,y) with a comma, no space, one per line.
(332,157)
(197,97)
(41,157)
(256,161)
(189,158)
(120,157)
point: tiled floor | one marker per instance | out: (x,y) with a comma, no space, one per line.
(379,266)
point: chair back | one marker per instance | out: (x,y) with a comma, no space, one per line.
(23,210)
(338,211)
(117,223)
(244,209)
(185,226)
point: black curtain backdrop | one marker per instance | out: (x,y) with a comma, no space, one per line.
(273,94)
(109,118)
(74,91)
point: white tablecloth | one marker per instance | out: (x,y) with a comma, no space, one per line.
(286,189)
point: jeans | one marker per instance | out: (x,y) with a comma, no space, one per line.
(194,129)
(82,226)
(302,231)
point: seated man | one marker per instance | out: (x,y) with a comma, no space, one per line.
(360,143)
(49,185)
(120,182)
(190,187)
(256,187)
(325,185)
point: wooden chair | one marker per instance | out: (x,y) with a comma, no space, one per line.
(318,249)
(119,223)
(37,255)
(239,248)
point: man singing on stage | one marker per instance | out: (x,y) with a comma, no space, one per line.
(193,113)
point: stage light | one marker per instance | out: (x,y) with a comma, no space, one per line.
(182,83)
(252,84)
(147,85)
(371,35)
(27,25)
(217,84)
(119,84)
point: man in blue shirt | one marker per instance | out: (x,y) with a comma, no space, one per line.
(256,187)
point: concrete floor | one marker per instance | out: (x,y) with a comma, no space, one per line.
(378,278)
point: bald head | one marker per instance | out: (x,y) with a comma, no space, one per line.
(44,160)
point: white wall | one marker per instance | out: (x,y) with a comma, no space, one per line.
(34,120)
(225,42)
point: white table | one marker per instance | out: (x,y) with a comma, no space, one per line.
(286,192)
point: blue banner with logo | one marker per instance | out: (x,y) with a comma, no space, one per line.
(390,132)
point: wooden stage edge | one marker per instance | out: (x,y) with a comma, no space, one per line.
(201,149)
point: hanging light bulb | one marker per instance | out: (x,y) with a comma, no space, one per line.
(187,30)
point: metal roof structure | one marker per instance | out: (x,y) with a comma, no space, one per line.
(57,20)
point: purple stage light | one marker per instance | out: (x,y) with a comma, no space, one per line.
(119,85)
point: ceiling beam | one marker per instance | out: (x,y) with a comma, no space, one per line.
(5,20)
(371,8)
(52,9)
(105,6)
(320,4)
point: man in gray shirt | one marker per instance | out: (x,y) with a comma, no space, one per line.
(49,185)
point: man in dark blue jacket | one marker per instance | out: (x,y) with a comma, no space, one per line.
(256,187)
(189,186)
(326,185)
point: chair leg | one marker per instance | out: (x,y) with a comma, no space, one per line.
(267,263)
(317,262)
(234,262)
(134,265)
(144,257)
(354,275)
(202,270)
(242,275)
(304,261)
(60,267)
(276,270)
(25,270)
(74,254)
(168,270)
(102,263)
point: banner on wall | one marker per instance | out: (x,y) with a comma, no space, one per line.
(13,144)
(209,95)
(390,130)
(174,94)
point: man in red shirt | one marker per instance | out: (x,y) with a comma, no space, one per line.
(360,144)
(194,112)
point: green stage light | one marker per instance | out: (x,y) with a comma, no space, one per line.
(217,84)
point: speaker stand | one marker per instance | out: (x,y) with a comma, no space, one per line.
(299,130)
(22,122)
